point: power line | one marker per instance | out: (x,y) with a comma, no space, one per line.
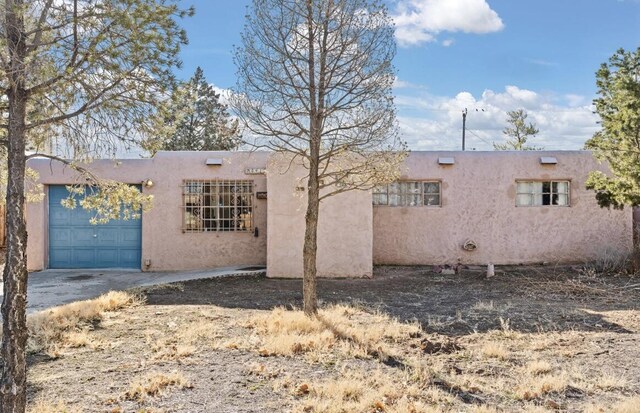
(482,139)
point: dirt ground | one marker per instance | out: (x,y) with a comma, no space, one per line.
(529,339)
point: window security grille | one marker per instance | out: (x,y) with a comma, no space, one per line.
(217,205)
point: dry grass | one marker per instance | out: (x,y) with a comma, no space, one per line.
(354,360)
(154,384)
(494,350)
(484,409)
(291,332)
(534,408)
(44,406)
(628,405)
(532,388)
(198,332)
(261,370)
(484,306)
(349,330)
(185,340)
(68,325)
(165,351)
(608,381)
(609,262)
(523,371)
(489,306)
(358,391)
(81,338)
(538,367)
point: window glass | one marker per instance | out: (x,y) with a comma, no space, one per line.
(408,193)
(562,199)
(380,199)
(432,188)
(541,193)
(524,199)
(432,200)
(394,200)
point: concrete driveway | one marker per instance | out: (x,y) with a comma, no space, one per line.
(51,288)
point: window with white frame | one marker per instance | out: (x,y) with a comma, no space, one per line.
(408,193)
(218,205)
(541,193)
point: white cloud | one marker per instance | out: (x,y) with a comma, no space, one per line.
(576,100)
(448,42)
(403,84)
(420,21)
(431,122)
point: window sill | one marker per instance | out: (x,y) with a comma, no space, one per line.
(543,206)
(408,206)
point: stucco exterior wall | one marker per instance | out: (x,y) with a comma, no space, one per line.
(163,241)
(478,203)
(344,227)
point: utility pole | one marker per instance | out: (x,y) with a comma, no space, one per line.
(464,125)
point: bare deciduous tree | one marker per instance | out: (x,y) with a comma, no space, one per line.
(315,82)
(92,72)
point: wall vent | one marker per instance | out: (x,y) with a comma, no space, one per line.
(446,161)
(214,161)
(548,160)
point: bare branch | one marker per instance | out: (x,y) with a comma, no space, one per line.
(320,69)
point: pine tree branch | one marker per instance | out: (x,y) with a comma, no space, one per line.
(80,169)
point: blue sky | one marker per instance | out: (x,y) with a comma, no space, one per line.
(491,55)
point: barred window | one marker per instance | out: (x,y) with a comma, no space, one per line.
(217,206)
(408,193)
(540,193)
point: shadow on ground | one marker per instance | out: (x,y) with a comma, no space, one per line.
(526,299)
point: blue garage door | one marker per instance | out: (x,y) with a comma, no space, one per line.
(75,243)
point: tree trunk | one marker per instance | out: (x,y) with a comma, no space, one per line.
(635,253)
(13,387)
(14,323)
(309,253)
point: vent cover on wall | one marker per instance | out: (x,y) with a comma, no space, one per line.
(214,161)
(446,161)
(548,160)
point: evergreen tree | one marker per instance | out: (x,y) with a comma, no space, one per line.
(93,73)
(200,121)
(618,143)
(518,133)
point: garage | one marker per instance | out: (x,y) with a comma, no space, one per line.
(75,243)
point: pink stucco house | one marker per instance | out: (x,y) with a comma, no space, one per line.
(215,209)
